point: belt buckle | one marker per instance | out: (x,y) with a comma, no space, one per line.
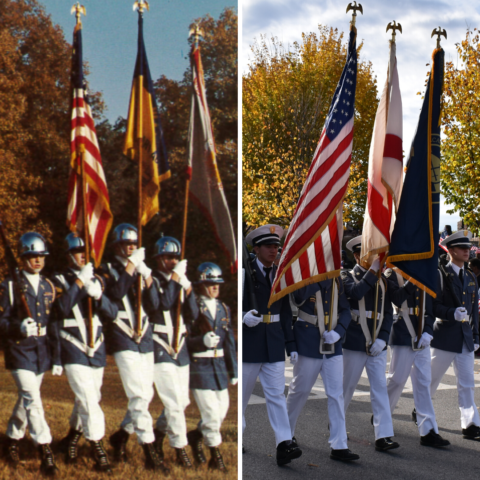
(215,353)
(416,311)
(267,318)
(326,318)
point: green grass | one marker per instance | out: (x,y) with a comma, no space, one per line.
(58,402)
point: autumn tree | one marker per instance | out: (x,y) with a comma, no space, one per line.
(286,96)
(460,166)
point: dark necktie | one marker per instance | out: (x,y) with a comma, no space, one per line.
(460,274)
(267,276)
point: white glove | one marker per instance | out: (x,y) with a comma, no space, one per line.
(185,282)
(250,319)
(57,370)
(86,274)
(211,340)
(377,347)
(476,346)
(425,340)
(137,256)
(460,314)
(94,290)
(293,358)
(143,270)
(28,327)
(375,265)
(233,381)
(181,268)
(331,337)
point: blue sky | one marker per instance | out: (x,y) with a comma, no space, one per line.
(287,19)
(110,40)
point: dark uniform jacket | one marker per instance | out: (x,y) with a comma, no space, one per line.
(34,353)
(212,373)
(307,336)
(163,320)
(449,334)
(409,292)
(120,284)
(365,289)
(267,342)
(72,332)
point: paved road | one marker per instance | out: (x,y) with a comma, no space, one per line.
(411,461)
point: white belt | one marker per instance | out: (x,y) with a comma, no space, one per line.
(40,332)
(169,349)
(368,313)
(269,318)
(168,330)
(209,354)
(130,331)
(411,311)
(305,317)
(81,346)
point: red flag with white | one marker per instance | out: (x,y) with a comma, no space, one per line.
(84,143)
(385,168)
(312,248)
(206,188)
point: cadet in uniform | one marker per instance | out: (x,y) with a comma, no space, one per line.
(314,303)
(133,353)
(171,370)
(265,339)
(360,290)
(28,349)
(83,365)
(214,364)
(406,361)
(455,333)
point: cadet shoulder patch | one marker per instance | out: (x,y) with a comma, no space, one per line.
(388,272)
(344,274)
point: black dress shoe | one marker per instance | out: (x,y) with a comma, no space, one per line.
(286,452)
(344,455)
(433,439)
(384,444)
(414,416)
(471,433)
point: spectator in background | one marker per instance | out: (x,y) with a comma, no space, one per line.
(475,268)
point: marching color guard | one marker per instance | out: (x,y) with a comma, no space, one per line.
(456,336)
(267,333)
(171,369)
(360,350)
(28,347)
(83,363)
(214,365)
(314,302)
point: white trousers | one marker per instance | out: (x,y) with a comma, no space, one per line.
(353,364)
(305,374)
(406,362)
(28,410)
(171,382)
(136,372)
(87,415)
(463,368)
(213,406)
(272,378)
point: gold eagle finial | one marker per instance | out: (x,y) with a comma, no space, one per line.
(354,8)
(438,31)
(394,26)
(196,32)
(78,10)
(141,5)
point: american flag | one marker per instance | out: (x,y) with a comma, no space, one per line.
(312,249)
(442,237)
(84,142)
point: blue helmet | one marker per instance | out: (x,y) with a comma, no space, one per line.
(125,232)
(32,243)
(167,246)
(210,273)
(73,242)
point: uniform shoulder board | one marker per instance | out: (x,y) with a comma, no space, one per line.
(54,290)
(388,272)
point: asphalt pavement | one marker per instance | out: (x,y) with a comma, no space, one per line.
(461,460)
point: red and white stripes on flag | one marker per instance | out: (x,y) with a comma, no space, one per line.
(312,248)
(84,141)
(206,188)
(385,168)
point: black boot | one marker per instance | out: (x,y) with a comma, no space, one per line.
(182,458)
(216,460)
(100,456)
(195,440)
(152,460)
(13,451)
(69,446)
(286,452)
(119,443)
(159,437)
(47,465)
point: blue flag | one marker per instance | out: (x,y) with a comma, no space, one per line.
(414,244)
